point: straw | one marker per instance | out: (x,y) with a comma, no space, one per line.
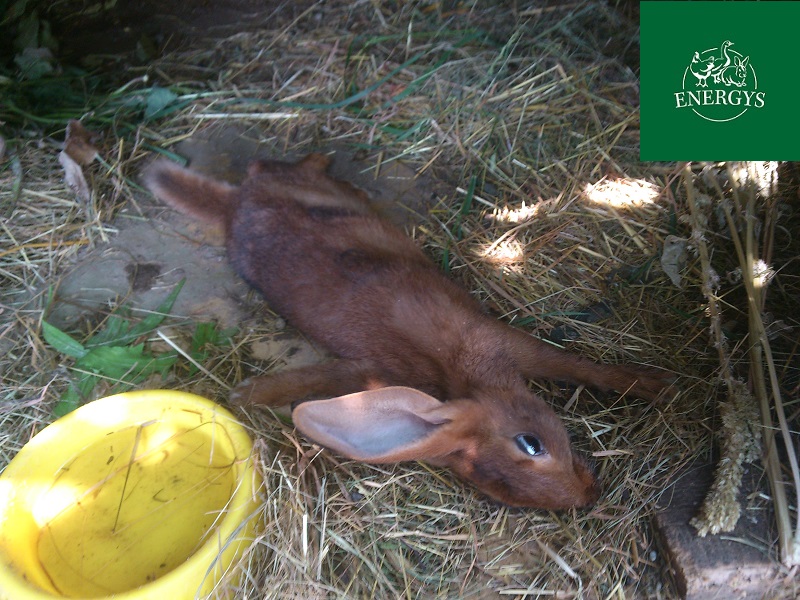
(528,123)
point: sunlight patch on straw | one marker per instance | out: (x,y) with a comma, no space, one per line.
(621,192)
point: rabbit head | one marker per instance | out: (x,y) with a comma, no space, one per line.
(510,444)
(741,66)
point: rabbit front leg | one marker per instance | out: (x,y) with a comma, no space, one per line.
(333,378)
(538,359)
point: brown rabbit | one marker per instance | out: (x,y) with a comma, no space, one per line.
(421,372)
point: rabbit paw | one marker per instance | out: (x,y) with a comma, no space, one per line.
(249,391)
(240,395)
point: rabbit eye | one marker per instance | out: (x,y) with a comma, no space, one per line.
(529,444)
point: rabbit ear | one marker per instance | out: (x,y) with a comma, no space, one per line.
(391,424)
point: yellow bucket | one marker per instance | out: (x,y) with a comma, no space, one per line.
(148,494)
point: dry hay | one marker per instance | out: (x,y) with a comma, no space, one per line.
(529,117)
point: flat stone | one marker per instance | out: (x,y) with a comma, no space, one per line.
(727,566)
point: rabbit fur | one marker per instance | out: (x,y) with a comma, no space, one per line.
(420,371)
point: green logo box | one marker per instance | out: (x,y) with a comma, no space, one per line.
(720,81)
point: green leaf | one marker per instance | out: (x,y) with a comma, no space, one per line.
(107,355)
(69,402)
(86,385)
(125,364)
(113,362)
(118,331)
(114,330)
(205,335)
(33,63)
(158,100)
(154,319)
(61,341)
